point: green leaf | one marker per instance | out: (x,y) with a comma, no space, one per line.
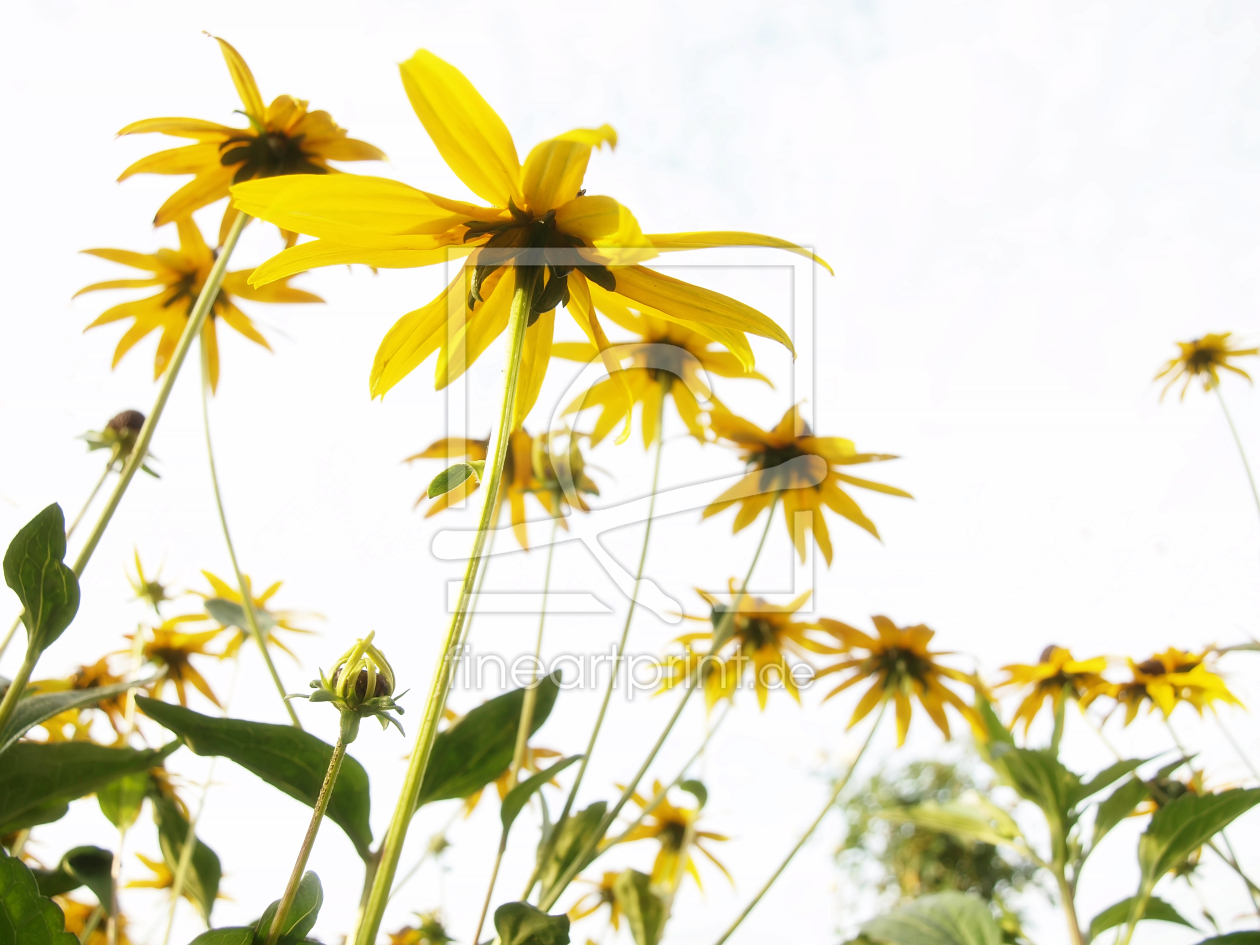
(121,800)
(32,710)
(945,918)
(569,841)
(38,780)
(302,916)
(48,589)
(201,885)
(231,614)
(83,866)
(478,748)
(226,936)
(1156,910)
(1104,778)
(26,917)
(643,908)
(519,923)
(696,789)
(998,733)
(1118,805)
(454,476)
(519,796)
(1233,938)
(979,822)
(1182,826)
(286,758)
(1037,775)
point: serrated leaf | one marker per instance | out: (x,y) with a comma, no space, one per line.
(1118,805)
(519,796)
(48,589)
(455,476)
(1183,825)
(478,748)
(83,866)
(120,801)
(945,918)
(26,917)
(642,906)
(1157,910)
(286,758)
(569,841)
(977,822)
(519,923)
(38,780)
(303,913)
(201,883)
(33,710)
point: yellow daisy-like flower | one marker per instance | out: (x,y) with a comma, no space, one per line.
(85,677)
(901,666)
(282,138)
(1167,679)
(1056,676)
(173,649)
(588,241)
(181,274)
(1202,357)
(162,877)
(762,634)
(150,590)
(669,826)
(269,621)
(77,915)
(806,486)
(603,894)
(666,361)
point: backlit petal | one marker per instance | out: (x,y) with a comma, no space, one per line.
(319,253)
(554,169)
(675,242)
(243,79)
(190,159)
(201,191)
(193,128)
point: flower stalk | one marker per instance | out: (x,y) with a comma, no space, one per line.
(1251,479)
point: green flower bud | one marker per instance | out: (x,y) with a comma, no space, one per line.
(361,683)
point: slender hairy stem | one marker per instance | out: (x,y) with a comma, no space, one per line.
(91,496)
(391,846)
(809,832)
(1238,749)
(494,874)
(196,318)
(242,582)
(531,688)
(1068,896)
(8,637)
(721,633)
(129,721)
(321,805)
(428,852)
(1255,494)
(17,688)
(93,920)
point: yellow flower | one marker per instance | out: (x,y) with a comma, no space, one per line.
(77,914)
(1057,676)
(665,361)
(282,138)
(150,590)
(601,895)
(807,486)
(902,666)
(592,244)
(1201,358)
(89,677)
(173,649)
(1165,680)
(428,930)
(670,827)
(181,273)
(268,620)
(762,634)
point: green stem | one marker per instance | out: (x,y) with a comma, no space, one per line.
(1068,895)
(391,846)
(494,874)
(8,637)
(196,319)
(242,582)
(809,832)
(186,856)
(1251,480)
(17,688)
(721,633)
(531,690)
(93,920)
(312,830)
(1238,750)
(88,504)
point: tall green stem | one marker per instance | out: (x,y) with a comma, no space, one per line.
(196,319)
(1251,480)
(721,633)
(809,832)
(391,846)
(242,582)
(17,688)
(531,689)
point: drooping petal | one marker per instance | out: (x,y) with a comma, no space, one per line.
(240,321)
(319,253)
(535,357)
(350,149)
(243,79)
(487,320)
(190,159)
(451,447)
(676,242)
(193,245)
(201,191)
(117,284)
(237,284)
(209,338)
(553,171)
(193,128)
(417,334)
(468,133)
(127,258)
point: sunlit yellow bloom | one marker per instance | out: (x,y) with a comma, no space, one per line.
(601,895)
(428,930)
(1201,358)
(77,914)
(807,485)
(1056,676)
(281,138)
(902,667)
(673,828)
(89,677)
(666,360)
(269,621)
(762,634)
(180,274)
(173,649)
(73,725)
(591,242)
(1165,680)
(529,765)
(150,590)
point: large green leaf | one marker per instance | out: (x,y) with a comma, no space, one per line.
(519,923)
(48,589)
(569,841)
(121,800)
(37,780)
(83,866)
(478,748)
(234,935)
(945,918)
(519,796)
(979,822)
(302,916)
(201,883)
(1104,778)
(1156,910)
(32,710)
(1233,938)
(26,917)
(1118,805)
(642,906)
(1182,826)
(285,757)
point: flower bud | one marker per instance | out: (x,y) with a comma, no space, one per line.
(361,683)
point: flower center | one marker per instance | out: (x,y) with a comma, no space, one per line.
(270,154)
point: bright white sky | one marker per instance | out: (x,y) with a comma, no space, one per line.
(1025,204)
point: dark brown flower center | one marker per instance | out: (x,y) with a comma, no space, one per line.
(360,684)
(270,154)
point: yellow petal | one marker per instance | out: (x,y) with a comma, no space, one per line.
(190,159)
(487,320)
(350,149)
(117,284)
(535,357)
(237,284)
(127,258)
(675,242)
(193,128)
(240,321)
(469,135)
(319,253)
(201,191)
(243,79)
(569,350)
(554,169)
